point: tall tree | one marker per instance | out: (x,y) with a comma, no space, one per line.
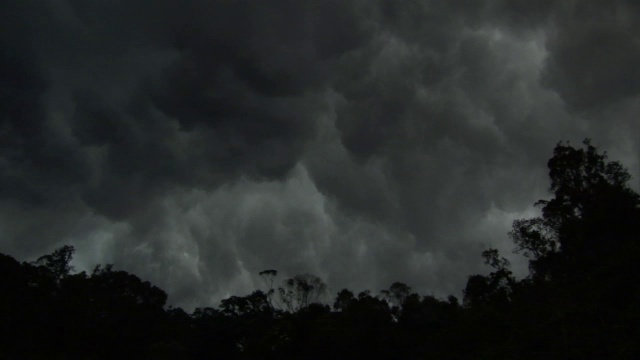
(58,263)
(583,252)
(594,213)
(301,291)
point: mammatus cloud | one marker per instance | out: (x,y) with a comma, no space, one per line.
(198,143)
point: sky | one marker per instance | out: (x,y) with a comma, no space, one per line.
(197,143)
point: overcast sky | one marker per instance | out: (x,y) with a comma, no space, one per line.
(196,143)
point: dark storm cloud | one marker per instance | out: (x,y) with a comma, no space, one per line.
(233,96)
(595,51)
(197,143)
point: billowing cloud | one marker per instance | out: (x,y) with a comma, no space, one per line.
(197,143)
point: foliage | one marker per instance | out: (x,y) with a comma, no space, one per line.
(301,291)
(58,263)
(578,302)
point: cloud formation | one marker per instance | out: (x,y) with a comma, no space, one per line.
(200,142)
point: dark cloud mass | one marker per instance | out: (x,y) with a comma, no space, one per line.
(196,143)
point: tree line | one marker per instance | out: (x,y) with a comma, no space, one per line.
(579,301)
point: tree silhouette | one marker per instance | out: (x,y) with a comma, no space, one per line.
(256,303)
(583,253)
(300,291)
(397,294)
(580,300)
(58,262)
(593,213)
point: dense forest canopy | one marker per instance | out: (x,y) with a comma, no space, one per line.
(579,301)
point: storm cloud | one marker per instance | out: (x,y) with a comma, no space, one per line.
(196,143)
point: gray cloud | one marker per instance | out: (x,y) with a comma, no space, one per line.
(198,143)
(594,54)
